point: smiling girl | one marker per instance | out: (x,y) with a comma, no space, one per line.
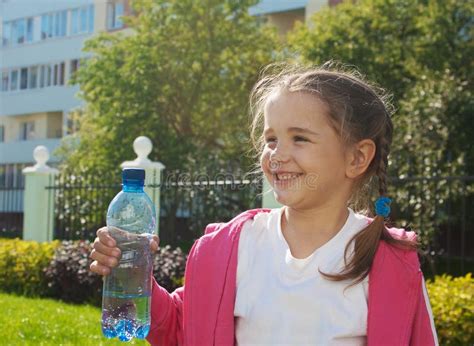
(319,270)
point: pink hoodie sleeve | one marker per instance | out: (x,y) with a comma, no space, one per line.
(166,316)
(423,331)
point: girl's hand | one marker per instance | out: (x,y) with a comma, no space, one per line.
(106,254)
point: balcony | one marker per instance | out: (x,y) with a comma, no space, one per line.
(50,99)
(22,151)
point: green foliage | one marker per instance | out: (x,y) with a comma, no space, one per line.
(69,277)
(21,265)
(61,270)
(422,52)
(28,322)
(452,302)
(180,76)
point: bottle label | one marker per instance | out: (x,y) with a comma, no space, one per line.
(128,257)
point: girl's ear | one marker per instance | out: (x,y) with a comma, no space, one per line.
(358,158)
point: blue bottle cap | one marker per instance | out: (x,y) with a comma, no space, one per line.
(137,174)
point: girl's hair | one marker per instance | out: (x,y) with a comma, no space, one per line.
(357,111)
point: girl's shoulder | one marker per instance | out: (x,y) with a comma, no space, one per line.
(236,223)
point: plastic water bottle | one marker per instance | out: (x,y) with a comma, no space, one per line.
(131,220)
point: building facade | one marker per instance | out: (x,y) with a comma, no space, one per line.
(40,51)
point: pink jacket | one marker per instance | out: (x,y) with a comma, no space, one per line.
(202,312)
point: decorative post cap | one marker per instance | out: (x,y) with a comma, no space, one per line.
(142,146)
(41,156)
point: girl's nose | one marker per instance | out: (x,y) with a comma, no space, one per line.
(278,155)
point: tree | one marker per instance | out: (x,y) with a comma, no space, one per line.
(421,51)
(181,78)
(180,75)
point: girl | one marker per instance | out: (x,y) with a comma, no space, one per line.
(314,271)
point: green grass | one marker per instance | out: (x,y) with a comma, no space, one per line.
(28,321)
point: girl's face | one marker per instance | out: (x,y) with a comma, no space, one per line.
(303,158)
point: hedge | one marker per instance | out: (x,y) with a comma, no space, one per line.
(61,270)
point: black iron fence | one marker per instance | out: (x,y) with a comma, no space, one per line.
(11,211)
(440,209)
(188,202)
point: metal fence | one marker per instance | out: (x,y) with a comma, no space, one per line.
(188,202)
(11,211)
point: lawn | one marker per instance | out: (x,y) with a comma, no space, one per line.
(27,321)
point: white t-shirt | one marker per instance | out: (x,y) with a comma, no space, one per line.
(282,300)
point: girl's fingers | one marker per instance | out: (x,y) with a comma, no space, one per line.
(105,249)
(100,269)
(105,237)
(154,244)
(103,259)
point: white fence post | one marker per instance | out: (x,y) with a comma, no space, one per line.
(268,198)
(142,146)
(38,217)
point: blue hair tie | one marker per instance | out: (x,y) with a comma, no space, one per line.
(382,206)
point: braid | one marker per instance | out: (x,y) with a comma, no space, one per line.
(384,151)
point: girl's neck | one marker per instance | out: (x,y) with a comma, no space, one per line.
(307,230)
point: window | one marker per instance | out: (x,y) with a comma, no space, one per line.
(82,20)
(114,12)
(54,25)
(73,67)
(27,130)
(6,34)
(49,73)
(2,133)
(42,76)
(75,21)
(29,30)
(19,31)
(61,73)
(5,78)
(23,78)
(91,18)
(63,25)
(33,77)
(14,80)
(45,26)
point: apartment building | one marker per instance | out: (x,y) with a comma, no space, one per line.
(285,13)
(41,49)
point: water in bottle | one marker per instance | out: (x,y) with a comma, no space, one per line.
(126,296)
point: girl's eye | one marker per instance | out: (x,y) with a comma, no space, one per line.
(298,138)
(270,139)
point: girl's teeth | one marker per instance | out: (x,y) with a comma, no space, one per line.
(288,177)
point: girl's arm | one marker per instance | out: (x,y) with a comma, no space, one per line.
(423,331)
(166,316)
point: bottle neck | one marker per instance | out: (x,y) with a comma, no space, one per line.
(132,186)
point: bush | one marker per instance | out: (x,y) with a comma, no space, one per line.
(69,277)
(21,265)
(168,267)
(452,302)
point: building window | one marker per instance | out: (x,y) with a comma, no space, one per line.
(61,73)
(27,131)
(14,80)
(18,31)
(73,67)
(6,33)
(23,78)
(29,30)
(114,12)
(5,79)
(82,20)
(33,82)
(2,133)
